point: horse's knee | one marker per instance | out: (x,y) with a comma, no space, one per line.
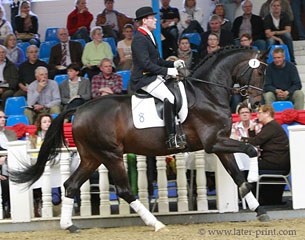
(125,194)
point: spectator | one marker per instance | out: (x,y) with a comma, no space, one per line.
(27,70)
(191,18)
(225,37)
(76,90)
(8,77)
(278,28)
(112,21)
(94,51)
(64,53)
(124,49)
(213,44)
(245,128)
(296,6)
(230,8)
(79,20)
(26,23)
(265,9)
(5,26)
(106,82)
(6,136)
(14,5)
(226,24)
(14,53)
(245,40)
(185,53)
(274,145)
(251,24)
(42,96)
(283,81)
(169,19)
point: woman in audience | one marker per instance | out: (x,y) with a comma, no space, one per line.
(191,18)
(26,23)
(220,11)
(5,26)
(274,145)
(14,53)
(124,48)
(185,53)
(79,20)
(75,90)
(94,51)
(213,44)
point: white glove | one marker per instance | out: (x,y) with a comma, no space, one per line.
(179,64)
(172,72)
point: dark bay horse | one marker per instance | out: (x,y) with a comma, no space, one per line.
(103,131)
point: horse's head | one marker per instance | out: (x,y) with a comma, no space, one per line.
(249,74)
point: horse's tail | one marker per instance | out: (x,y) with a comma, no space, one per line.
(48,151)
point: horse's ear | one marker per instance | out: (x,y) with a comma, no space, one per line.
(263,57)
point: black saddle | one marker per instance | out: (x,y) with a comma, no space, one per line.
(173,86)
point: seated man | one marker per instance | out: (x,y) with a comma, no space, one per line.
(251,24)
(64,53)
(112,21)
(283,81)
(8,77)
(27,70)
(43,96)
(225,37)
(106,82)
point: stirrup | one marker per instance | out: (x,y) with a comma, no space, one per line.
(176,142)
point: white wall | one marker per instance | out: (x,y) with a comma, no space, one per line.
(54,13)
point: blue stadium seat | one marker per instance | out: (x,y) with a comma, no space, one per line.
(45,50)
(125,77)
(23,46)
(287,55)
(81,41)
(15,119)
(195,40)
(51,34)
(15,106)
(60,78)
(282,105)
(112,44)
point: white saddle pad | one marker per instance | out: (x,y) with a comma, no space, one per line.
(144,111)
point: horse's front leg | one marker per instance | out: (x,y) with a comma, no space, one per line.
(229,163)
(228,145)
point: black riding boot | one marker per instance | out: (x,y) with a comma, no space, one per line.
(174,141)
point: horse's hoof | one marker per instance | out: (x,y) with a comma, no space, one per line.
(159,226)
(244,189)
(73,229)
(263,217)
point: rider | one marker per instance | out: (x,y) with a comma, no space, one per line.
(149,69)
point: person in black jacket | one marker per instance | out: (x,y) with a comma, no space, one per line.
(255,28)
(149,69)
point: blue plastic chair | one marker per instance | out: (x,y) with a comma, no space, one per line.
(81,41)
(280,106)
(23,46)
(284,46)
(45,50)
(125,77)
(15,106)
(15,119)
(51,34)
(111,42)
(60,78)
(194,38)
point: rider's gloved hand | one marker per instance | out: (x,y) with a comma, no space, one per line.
(172,72)
(179,64)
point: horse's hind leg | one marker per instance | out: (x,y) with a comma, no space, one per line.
(72,186)
(120,178)
(229,162)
